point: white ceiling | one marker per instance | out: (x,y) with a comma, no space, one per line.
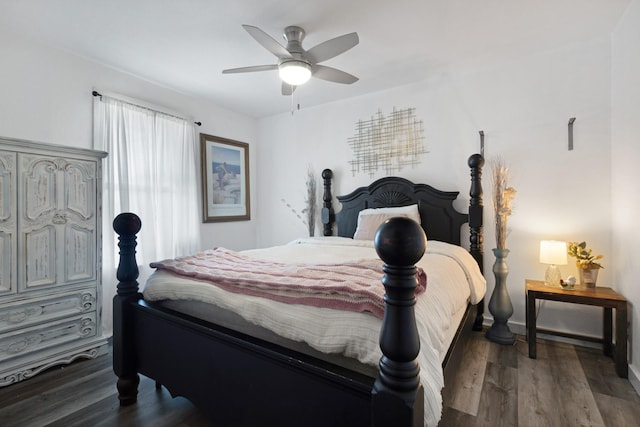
(185,44)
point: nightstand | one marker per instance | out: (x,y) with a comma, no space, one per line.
(603,297)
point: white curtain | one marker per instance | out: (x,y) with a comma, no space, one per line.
(150,170)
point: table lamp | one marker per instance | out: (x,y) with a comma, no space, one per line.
(553,253)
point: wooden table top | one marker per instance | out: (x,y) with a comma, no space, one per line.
(578,290)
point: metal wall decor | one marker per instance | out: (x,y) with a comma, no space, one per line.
(387,143)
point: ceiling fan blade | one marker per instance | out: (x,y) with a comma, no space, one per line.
(332,74)
(332,48)
(287,89)
(250,69)
(267,42)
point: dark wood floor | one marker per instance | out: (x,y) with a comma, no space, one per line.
(500,386)
(566,385)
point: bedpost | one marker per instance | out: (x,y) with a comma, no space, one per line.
(397,395)
(126,225)
(476,239)
(328,216)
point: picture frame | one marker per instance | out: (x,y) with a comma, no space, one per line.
(225,179)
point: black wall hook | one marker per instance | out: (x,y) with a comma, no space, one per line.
(571,120)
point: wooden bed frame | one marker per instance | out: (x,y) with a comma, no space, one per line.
(239,380)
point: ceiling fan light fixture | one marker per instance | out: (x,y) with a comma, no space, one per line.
(295,72)
(297,65)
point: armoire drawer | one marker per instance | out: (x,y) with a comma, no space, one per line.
(30,340)
(23,313)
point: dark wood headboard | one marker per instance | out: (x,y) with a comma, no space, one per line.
(440,220)
(438,217)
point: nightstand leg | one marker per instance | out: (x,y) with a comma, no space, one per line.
(526,316)
(531,324)
(607,331)
(620,355)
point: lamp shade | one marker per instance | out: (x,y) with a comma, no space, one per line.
(295,72)
(553,252)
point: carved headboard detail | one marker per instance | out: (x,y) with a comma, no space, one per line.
(440,220)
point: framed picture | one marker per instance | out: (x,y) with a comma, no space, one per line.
(225,179)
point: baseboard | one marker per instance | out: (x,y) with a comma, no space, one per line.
(521,329)
(634,378)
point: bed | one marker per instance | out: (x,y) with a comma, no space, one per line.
(238,373)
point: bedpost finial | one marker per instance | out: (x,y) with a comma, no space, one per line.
(400,241)
(327,213)
(476,161)
(397,395)
(127,224)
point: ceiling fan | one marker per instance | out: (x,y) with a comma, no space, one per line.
(297,65)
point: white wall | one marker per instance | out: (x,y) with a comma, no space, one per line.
(46,97)
(625,173)
(523,106)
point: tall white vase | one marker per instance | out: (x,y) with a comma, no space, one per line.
(500,305)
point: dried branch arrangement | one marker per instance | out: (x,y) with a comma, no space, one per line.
(502,198)
(309,211)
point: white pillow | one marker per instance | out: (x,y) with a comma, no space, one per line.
(370,219)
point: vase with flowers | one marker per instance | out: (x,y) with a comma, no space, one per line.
(500,305)
(586,261)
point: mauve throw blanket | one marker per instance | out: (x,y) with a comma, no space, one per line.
(354,286)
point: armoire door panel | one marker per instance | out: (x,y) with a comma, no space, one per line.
(7,257)
(40,253)
(40,187)
(80,256)
(8,223)
(7,189)
(79,181)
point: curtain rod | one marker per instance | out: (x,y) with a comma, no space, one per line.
(96,93)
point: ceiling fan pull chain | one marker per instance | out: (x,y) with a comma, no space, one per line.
(294,104)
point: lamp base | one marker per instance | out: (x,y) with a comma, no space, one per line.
(552,276)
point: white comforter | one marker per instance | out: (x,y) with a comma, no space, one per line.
(453,279)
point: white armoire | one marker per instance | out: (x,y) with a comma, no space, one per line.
(50,263)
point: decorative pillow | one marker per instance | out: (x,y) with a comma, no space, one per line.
(370,219)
